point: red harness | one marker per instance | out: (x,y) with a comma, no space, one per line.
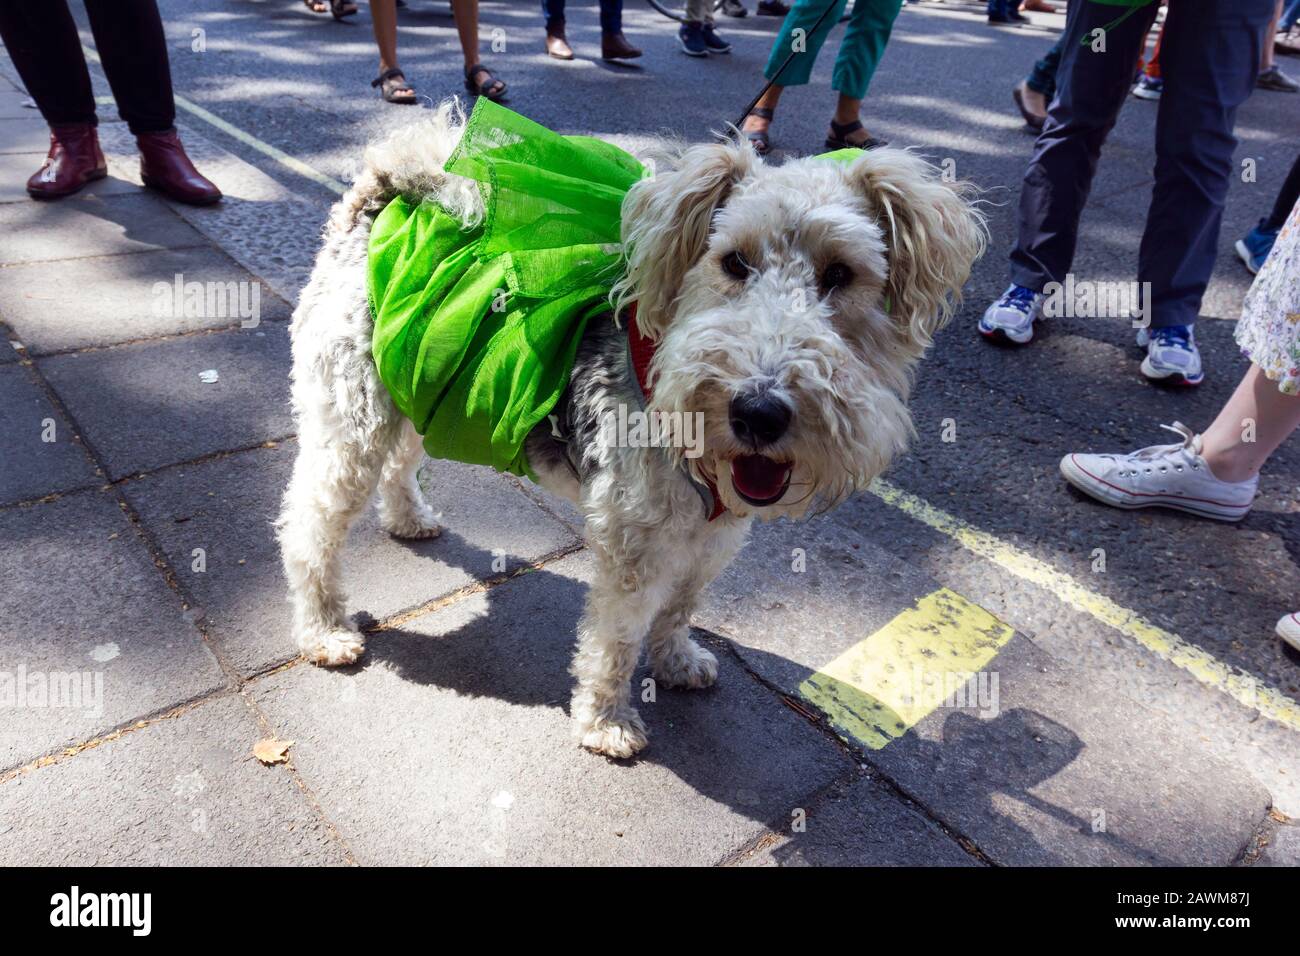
(641,349)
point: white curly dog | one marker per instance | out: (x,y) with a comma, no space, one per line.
(787,305)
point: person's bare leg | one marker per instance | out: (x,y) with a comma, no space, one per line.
(1266,62)
(466,12)
(768,101)
(1249,428)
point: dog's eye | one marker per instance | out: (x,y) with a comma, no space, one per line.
(836,276)
(735,266)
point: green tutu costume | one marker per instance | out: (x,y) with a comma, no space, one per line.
(476,330)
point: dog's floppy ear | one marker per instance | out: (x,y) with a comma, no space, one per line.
(666,223)
(933,232)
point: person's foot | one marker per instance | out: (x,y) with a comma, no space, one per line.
(557,45)
(1288,628)
(164,166)
(999,18)
(1038,6)
(74,160)
(1254,247)
(734,8)
(1287,43)
(1033,105)
(714,42)
(755,126)
(690,36)
(1149,87)
(1274,79)
(1011,318)
(1169,476)
(614,46)
(773,8)
(1172,356)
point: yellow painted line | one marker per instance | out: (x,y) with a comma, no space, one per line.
(248,139)
(1167,645)
(927,655)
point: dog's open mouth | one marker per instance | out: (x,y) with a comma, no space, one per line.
(760,480)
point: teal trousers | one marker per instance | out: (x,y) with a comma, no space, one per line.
(860,50)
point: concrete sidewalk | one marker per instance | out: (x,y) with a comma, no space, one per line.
(136,496)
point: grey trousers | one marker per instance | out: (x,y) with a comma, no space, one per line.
(1209,59)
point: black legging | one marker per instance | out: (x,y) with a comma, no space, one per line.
(1286,199)
(42,40)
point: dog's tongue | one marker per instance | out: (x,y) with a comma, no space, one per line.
(759,478)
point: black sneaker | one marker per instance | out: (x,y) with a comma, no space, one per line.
(714,42)
(734,8)
(772,8)
(691,38)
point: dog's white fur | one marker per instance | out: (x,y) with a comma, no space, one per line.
(841,359)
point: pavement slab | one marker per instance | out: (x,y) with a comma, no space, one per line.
(91,636)
(451,744)
(143,406)
(861,823)
(185,791)
(1283,848)
(226,508)
(89,224)
(57,306)
(41,454)
(1025,778)
(27,134)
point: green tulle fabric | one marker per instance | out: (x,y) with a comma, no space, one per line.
(476,330)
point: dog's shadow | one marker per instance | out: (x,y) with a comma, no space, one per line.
(734,743)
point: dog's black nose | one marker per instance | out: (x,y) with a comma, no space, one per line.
(760,420)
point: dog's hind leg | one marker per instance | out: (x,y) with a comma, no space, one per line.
(331,483)
(403,512)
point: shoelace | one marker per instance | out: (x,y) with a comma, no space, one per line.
(1019,298)
(1191,442)
(1172,336)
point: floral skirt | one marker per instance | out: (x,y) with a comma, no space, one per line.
(1269,330)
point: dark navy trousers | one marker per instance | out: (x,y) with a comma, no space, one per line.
(1209,59)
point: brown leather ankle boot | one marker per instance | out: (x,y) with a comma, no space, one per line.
(614,46)
(165,167)
(74,160)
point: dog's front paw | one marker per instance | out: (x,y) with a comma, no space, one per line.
(332,648)
(415,524)
(686,665)
(620,736)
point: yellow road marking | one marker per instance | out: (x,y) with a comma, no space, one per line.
(1206,668)
(879,688)
(248,139)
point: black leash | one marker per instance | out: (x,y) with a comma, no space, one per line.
(788,60)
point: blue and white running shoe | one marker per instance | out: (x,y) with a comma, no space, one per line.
(1172,356)
(1011,318)
(1255,246)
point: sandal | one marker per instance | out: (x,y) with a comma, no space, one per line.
(758,137)
(342,8)
(316,6)
(390,83)
(492,87)
(840,130)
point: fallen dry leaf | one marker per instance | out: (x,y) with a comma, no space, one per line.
(271,751)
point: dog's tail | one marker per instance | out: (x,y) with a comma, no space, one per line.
(409,162)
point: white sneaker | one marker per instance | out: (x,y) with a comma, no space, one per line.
(1174,476)
(1288,628)
(1011,318)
